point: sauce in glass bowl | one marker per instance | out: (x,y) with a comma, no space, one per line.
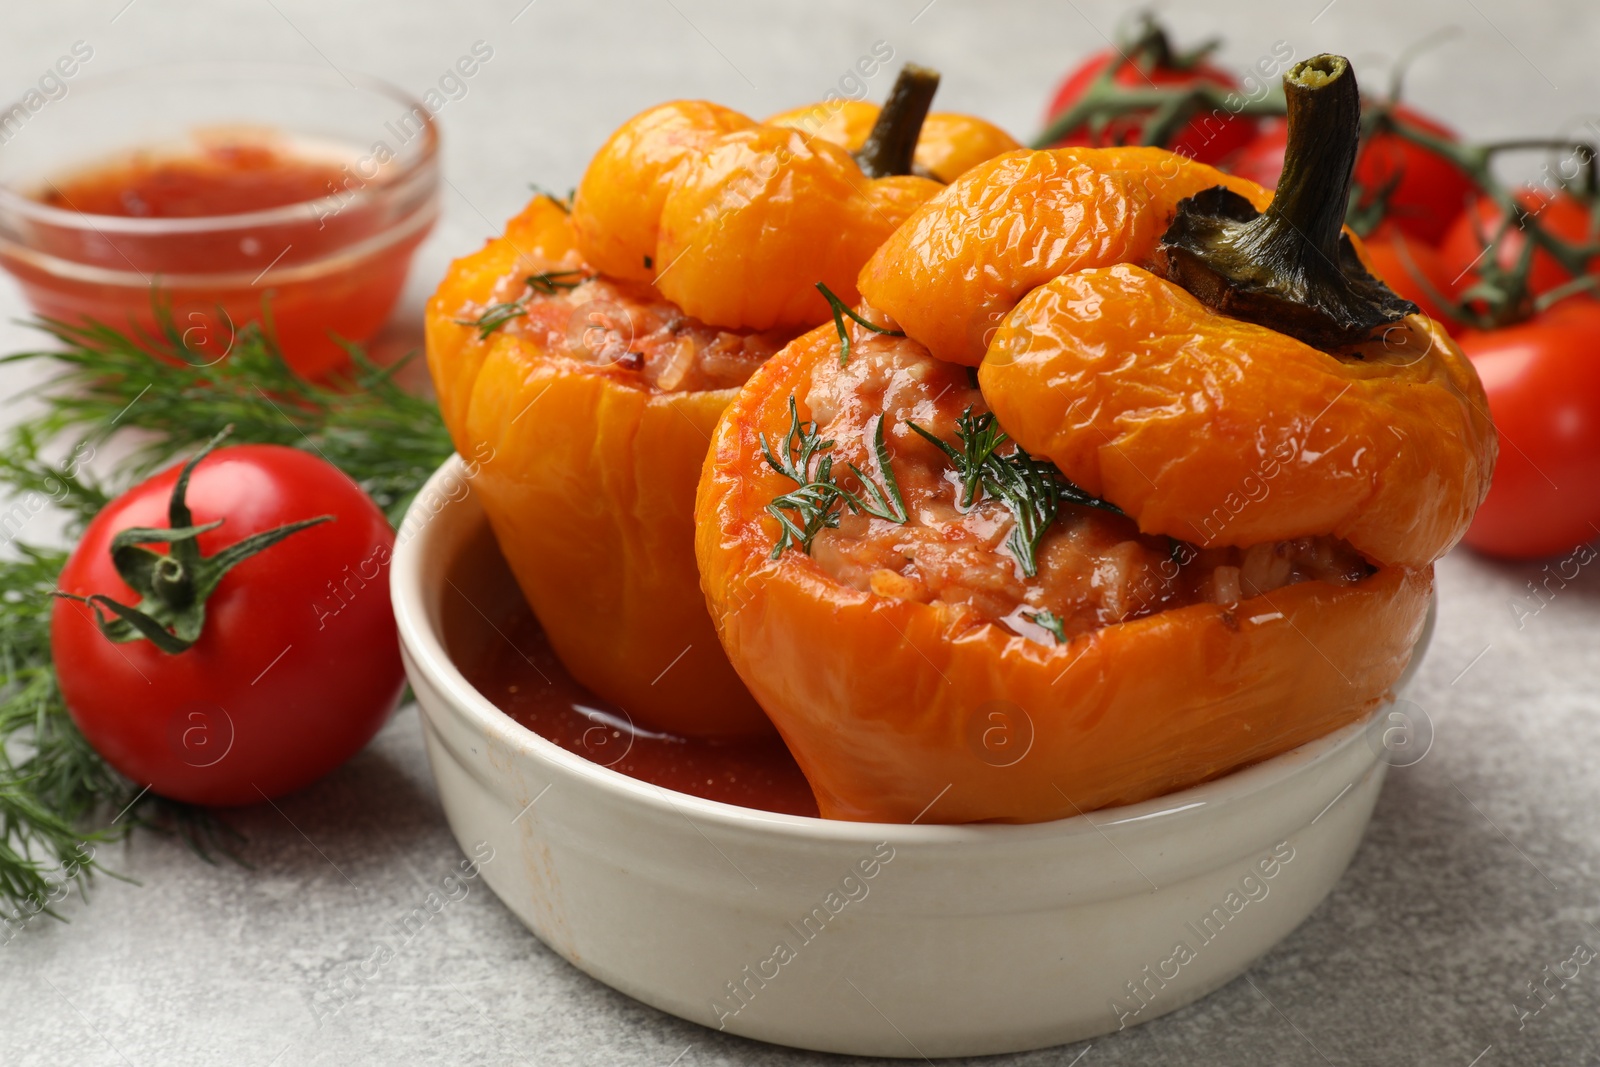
(196,198)
(225,176)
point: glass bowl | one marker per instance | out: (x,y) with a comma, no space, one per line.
(327,267)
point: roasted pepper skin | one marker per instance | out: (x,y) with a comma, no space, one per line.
(764,215)
(948,281)
(1310,442)
(736,221)
(617,208)
(886,702)
(588,481)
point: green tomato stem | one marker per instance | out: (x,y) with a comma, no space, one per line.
(173,586)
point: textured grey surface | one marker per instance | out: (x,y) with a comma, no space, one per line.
(1482,866)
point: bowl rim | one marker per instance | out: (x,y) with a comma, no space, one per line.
(16,204)
(411,579)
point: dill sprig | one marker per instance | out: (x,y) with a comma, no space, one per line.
(386,439)
(819,500)
(551,282)
(49,776)
(979,437)
(1050,621)
(1033,489)
(495,316)
(544,283)
(840,310)
(58,798)
(562,202)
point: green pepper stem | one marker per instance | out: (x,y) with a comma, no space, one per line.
(889,148)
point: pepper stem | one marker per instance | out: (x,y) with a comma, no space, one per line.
(1307,212)
(1290,268)
(889,148)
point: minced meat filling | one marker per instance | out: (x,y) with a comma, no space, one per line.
(629,327)
(1093,566)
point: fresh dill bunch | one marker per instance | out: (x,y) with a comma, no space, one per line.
(50,778)
(66,485)
(58,797)
(387,440)
(1033,489)
(819,500)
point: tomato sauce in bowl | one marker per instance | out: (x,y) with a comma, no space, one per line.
(495,641)
(223,196)
(523,678)
(227,176)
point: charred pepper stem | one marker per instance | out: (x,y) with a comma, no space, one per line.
(1324,133)
(1290,268)
(889,148)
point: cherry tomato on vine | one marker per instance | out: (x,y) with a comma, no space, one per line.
(1207,137)
(268,582)
(1543,383)
(1561,215)
(1429,192)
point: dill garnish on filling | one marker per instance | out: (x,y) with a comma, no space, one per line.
(817,502)
(1033,489)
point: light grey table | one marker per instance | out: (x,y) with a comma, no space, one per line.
(1481,866)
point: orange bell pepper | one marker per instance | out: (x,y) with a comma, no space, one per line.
(736,221)
(1209,552)
(586,396)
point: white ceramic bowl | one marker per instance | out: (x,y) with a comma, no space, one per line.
(871,939)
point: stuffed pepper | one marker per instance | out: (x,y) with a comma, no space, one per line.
(583,358)
(1125,474)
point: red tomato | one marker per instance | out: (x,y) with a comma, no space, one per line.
(1431,193)
(1411,269)
(297,665)
(1262,159)
(1207,138)
(1544,393)
(1561,215)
